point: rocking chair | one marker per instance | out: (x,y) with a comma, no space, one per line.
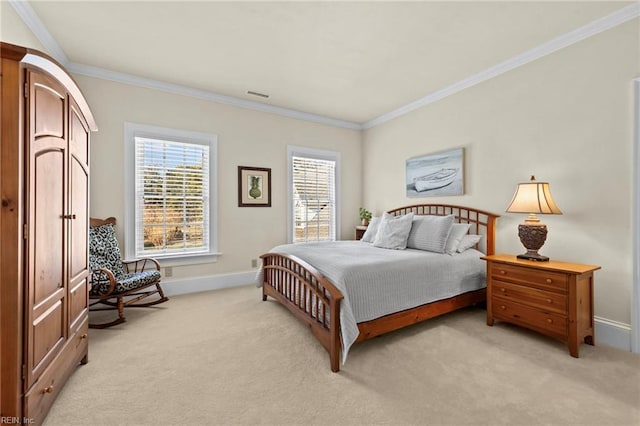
(117,283)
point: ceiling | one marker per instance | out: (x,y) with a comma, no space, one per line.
(351,61)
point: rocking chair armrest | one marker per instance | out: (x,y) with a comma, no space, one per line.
(141,265)
(112,279)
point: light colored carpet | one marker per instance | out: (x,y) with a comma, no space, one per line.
(226,357)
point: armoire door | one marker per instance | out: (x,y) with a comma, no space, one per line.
(46,285)
(79,218)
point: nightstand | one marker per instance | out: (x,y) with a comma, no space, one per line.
(552,298)
(360,230)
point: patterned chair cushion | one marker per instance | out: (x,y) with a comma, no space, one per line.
(104,251)
(127,282)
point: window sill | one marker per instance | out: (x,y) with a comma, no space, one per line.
(192,259)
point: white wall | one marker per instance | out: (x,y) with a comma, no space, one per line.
(14,31)
(567,118)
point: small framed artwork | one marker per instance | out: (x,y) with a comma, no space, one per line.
(254,187)
(437,174)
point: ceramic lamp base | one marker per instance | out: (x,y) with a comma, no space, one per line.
(532,238)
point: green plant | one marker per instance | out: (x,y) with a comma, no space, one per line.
(365,214)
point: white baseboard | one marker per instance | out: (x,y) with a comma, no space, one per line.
(613,333)
(213,282)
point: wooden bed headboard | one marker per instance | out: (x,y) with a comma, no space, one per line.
(482,223)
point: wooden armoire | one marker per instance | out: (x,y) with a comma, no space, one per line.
(44,271)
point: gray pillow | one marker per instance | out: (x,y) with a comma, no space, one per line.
(458,230)
(393,231)
(467,242)
(372,230)
(430,233)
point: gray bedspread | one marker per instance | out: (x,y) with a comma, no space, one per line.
(377,282)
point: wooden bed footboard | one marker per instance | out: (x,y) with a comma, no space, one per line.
(308,295)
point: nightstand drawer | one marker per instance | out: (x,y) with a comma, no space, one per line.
(542,299)
(547,322)
(529,276)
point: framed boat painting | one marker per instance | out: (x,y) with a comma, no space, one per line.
(438,174)
(254,187)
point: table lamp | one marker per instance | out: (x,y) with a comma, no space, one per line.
(533,198)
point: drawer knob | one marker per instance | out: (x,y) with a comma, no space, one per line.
(548,300)
(502,272)
(503,307)
(549,280)
(549,320)
(48,389)
(502,290)
(84,336)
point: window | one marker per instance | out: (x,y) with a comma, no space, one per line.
(313,209)
(170,193)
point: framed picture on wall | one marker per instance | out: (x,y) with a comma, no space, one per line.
(254,187)
(437,174)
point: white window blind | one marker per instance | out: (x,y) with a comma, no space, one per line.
(171,197)
(314,199)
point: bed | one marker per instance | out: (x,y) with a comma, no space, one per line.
(341,299)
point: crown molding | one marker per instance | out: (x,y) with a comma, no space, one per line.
(599,25)
(206,95)
(614,19)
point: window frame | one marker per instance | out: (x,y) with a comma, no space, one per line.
(316,154)
(133,130)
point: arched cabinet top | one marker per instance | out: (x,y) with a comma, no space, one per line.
(43,62)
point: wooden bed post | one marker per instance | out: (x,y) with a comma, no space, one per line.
(335,345)
(491,230)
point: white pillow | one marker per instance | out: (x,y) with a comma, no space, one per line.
(467,242)
(370,234)
(430,233)
(458,230)
(393,231)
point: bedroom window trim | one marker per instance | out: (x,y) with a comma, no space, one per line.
(148,133)
(635,304)
(315,154)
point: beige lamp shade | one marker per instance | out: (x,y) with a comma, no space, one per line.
(534,198)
